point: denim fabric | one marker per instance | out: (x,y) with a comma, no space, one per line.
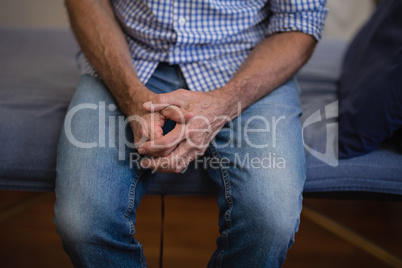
(97,193)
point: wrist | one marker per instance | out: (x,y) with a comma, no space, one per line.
(246,91)
(132,103)
(230,100)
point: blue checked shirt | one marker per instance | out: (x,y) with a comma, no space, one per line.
(208,39)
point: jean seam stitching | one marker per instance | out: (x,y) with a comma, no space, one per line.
(227,215)
(143,261)
(131,203)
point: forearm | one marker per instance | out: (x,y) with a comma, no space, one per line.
(103,43)
(272,62)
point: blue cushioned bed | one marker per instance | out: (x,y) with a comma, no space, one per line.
(37,79)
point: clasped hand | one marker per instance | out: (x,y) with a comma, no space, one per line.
(199,117)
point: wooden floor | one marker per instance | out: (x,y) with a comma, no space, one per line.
(28,237)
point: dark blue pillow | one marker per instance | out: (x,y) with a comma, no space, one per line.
(370,86)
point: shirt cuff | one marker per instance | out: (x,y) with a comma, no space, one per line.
(308,22)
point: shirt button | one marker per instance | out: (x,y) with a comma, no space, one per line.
(177,50)
(182,21)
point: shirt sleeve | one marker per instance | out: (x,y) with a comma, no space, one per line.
(307,16)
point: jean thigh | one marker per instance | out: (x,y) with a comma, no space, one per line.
(260,179)
(95,179)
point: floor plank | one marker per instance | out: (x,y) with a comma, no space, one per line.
(29,239)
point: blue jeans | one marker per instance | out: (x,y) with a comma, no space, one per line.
(259,185)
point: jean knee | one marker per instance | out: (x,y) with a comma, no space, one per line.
(80,212)
(73,226)
(272,220)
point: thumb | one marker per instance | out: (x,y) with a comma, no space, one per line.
(165,100)
(176,114)
(150,106)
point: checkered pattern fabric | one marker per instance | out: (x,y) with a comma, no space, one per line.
(209,39)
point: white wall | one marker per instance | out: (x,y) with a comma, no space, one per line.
(344,19)
(33,13)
